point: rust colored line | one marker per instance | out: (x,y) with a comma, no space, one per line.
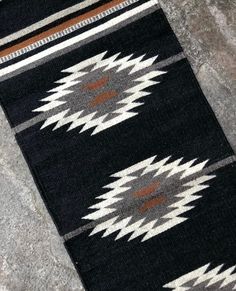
(103,97)
(59,27)
(147,190)
(97,84)
(152,203)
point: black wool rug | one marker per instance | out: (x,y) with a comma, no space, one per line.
(126,152)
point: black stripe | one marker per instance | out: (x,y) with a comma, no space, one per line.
(70,35)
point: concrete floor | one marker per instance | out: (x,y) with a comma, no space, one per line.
(32,256)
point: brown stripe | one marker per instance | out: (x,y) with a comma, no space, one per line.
(103,97)
(147,190)
(152,203)
(60,27)
(97,84)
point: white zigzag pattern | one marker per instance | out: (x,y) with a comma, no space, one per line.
(77,71)
(127,175)
(202,276)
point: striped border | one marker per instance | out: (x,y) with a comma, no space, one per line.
(63,29)
(81,39)
(47,21)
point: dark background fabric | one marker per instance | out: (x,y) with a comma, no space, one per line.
(70,169)
(28,12)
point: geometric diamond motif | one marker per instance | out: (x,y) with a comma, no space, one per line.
(149,198)
(99,92)
(203,278)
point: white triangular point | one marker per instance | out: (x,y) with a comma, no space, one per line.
(204,275)
(59,94)
(190,192)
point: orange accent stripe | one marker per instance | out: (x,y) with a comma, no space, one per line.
(97,84)
(147,190)
(152,203)
(59,27)
(103,97)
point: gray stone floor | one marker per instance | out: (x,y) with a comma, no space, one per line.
(32,256)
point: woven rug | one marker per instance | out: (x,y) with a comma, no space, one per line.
(129,158)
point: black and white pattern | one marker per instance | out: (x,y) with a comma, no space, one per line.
(149,198)
(126,152)
(100,92)
(206,278)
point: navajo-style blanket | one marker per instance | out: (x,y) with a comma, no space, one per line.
(123,146)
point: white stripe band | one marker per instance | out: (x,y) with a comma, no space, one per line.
(66,31)
(77,38)
(46,21)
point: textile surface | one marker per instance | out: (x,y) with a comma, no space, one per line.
(123,146)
